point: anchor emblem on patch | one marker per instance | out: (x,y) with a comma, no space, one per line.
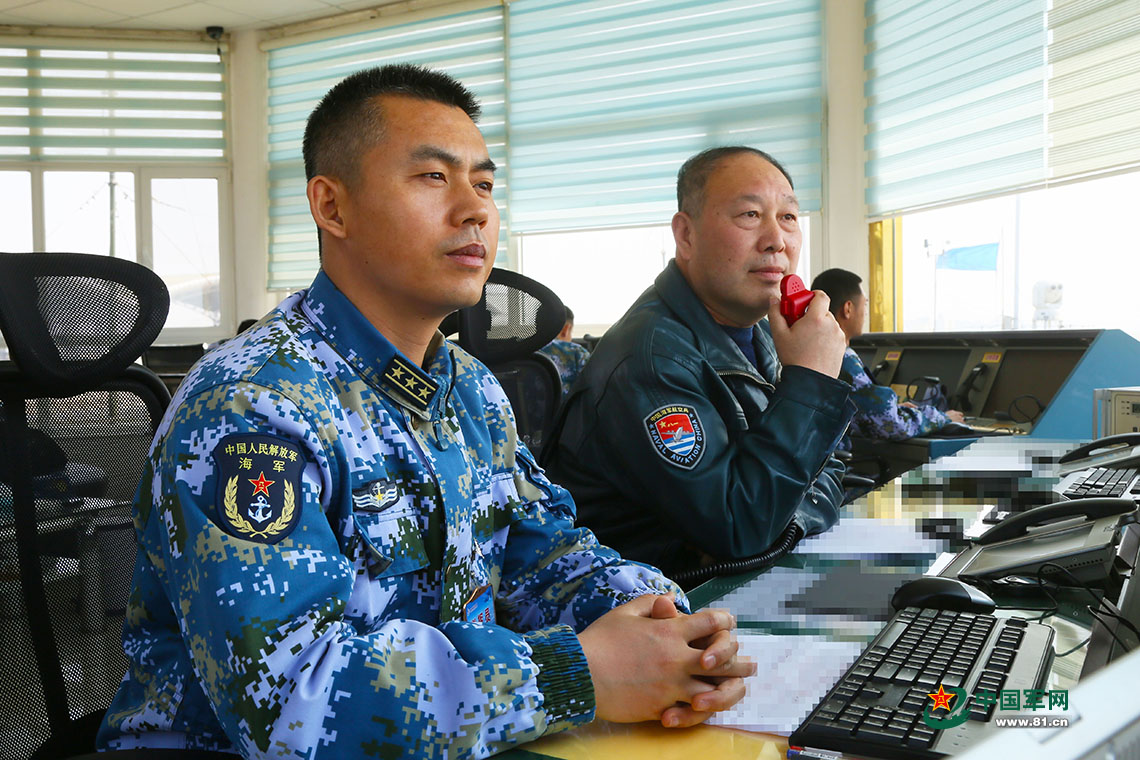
(265,508)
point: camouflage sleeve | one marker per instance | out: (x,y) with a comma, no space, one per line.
(291,661)
(880,415)
(555,573)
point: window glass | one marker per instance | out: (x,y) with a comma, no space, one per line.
(1054,258)
(597,273)
(600,273)
(16,231)
(184,223)
(90,212)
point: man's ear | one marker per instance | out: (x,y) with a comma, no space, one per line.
(327,201)
(683,235)
(848,309)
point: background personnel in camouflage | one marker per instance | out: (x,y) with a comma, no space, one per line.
(880,414)
(569,358)
(344,550)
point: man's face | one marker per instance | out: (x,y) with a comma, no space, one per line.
(420,228)
(743,240)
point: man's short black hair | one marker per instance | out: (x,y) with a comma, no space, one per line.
(348,120)
(694,174)
(840,285)
(569,314)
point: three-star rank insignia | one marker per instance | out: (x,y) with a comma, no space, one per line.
(677,435)
(259,486)
(408,384)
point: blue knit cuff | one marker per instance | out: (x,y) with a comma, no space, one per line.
(563,677)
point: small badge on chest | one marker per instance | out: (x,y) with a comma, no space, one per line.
(480,608)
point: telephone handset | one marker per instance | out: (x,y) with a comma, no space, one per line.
(1113,452)
(1122,443)
(794,298)
(1018,525)
(961,400)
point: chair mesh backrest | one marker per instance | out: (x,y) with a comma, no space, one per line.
(83,457)
(534,389)
(76,421)
(515,317)
(72,320)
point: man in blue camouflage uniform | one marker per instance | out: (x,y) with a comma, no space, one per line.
(344,550)
(880,414)
(569,358)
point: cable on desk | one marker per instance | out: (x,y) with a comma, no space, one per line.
(781,546)
(1109,608)
(1013,407)
(1068,652)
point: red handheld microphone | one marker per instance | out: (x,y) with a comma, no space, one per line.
(794,298)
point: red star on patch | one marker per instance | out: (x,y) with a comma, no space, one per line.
(261,485)
(941,698)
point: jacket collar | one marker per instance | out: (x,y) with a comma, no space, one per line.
(714,343)
(378,362)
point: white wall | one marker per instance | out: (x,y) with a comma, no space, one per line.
(844,218)
(248,148)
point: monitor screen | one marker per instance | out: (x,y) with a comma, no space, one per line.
(1026,374)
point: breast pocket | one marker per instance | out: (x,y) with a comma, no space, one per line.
(391,542)
(496,505)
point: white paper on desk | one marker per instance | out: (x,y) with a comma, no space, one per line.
(866,538)
(793,674)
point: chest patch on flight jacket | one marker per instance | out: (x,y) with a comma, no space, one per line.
(259,486)
(676,433)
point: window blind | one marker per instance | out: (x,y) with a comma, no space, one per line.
(1094,86)
(956,100)
(66,100)
(607,100)
(467,45)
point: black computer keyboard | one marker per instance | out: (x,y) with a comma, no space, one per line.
(876,709)
(1102,481)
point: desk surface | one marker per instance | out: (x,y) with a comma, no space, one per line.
(838,585)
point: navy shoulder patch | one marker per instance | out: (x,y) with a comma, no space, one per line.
(259,486)
(677,434)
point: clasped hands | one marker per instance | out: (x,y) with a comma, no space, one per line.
(649,661)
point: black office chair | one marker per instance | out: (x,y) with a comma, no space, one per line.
(76,422)
(515,317)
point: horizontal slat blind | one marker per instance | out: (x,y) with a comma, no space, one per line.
(469,46)
(607,100)
(956,100)
(129,100)
(1094,86)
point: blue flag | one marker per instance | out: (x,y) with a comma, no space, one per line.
(980,258)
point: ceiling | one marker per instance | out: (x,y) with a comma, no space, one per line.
(191,15)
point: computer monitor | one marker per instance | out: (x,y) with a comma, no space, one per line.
(945,363)
(1026,374)
(1103,722)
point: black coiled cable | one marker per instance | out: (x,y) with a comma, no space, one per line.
(781,546)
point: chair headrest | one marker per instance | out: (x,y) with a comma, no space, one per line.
(515,317)
(74,320)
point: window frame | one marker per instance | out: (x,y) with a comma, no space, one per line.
(144,172)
